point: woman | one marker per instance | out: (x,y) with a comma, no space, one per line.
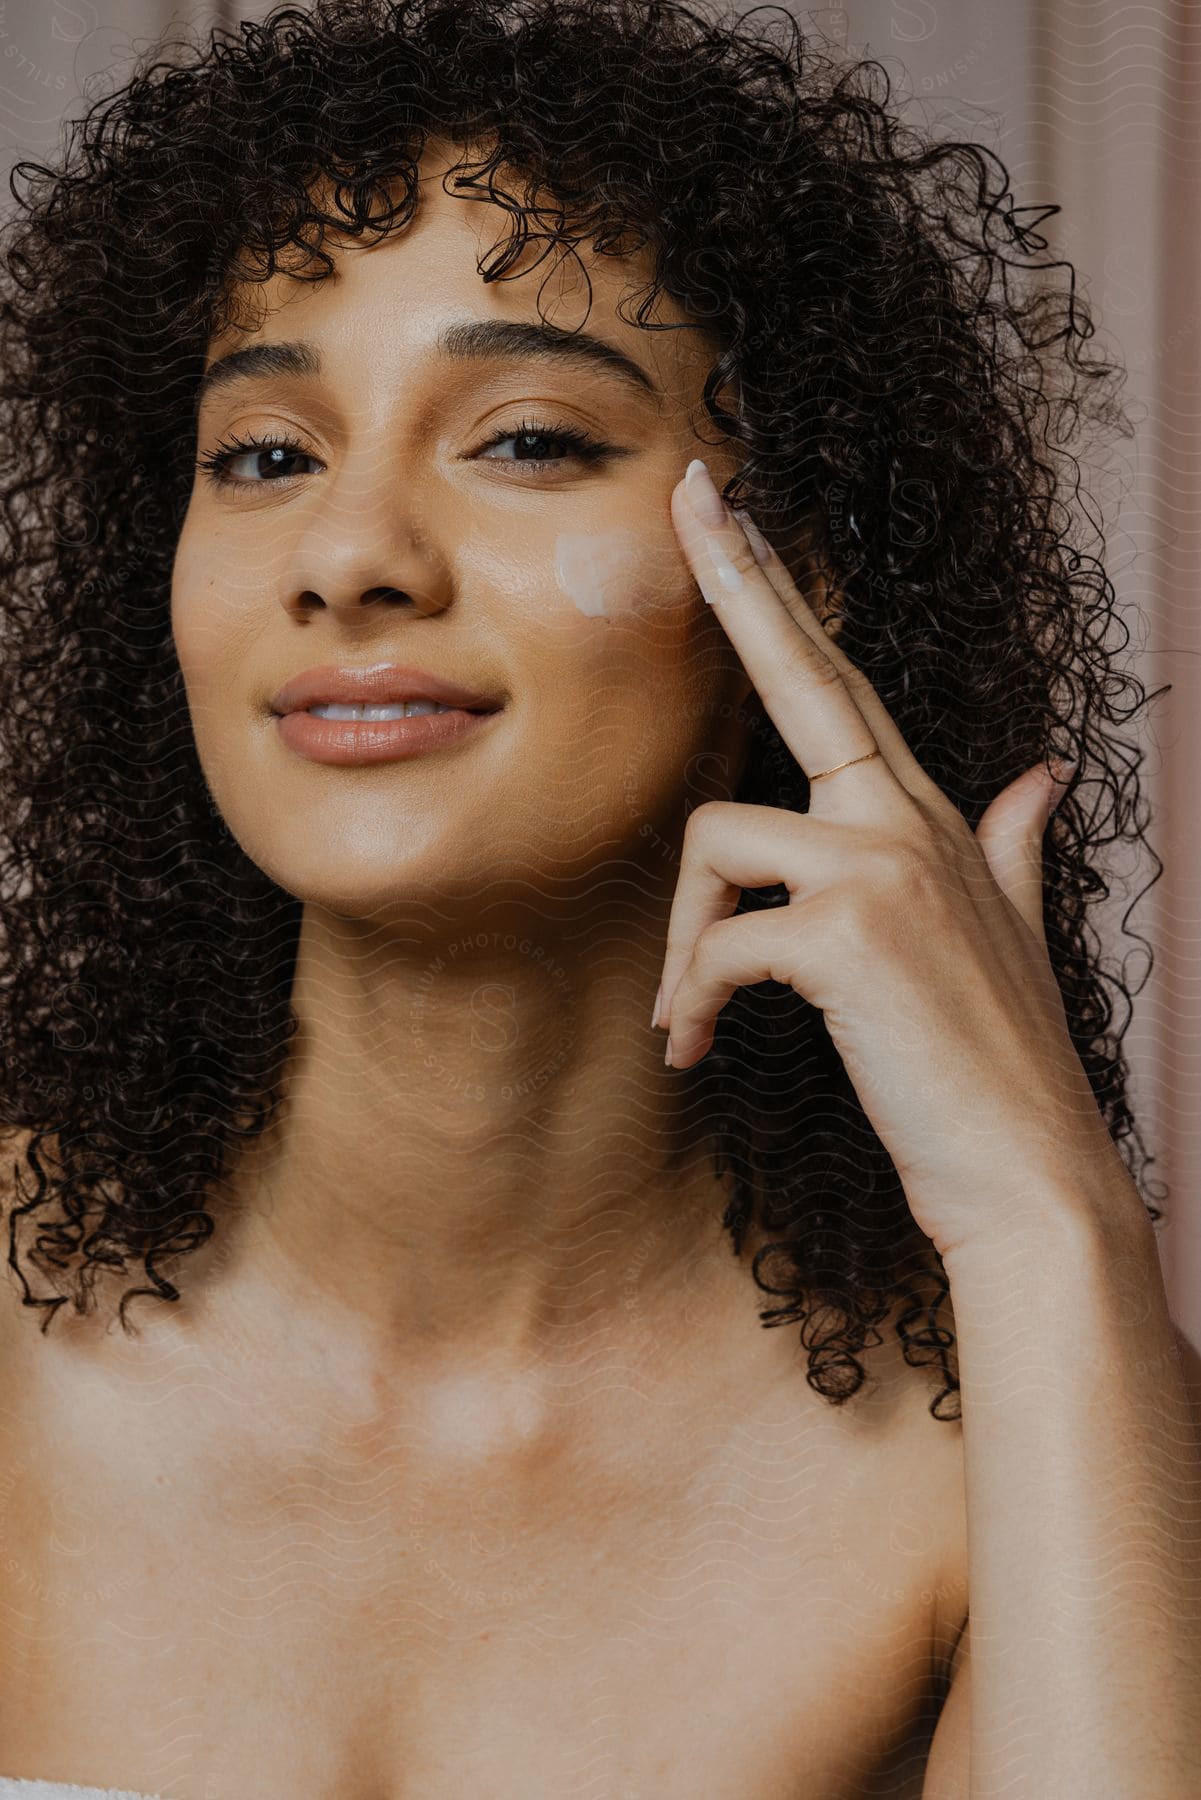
(452,1457)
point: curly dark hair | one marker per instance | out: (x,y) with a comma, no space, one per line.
(911,378)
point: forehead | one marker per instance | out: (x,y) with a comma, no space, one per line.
(387,300)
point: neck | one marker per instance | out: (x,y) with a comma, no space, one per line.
(479,1155)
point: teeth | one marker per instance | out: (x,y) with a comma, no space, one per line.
(403,709)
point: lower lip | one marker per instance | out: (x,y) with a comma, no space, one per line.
(377,740)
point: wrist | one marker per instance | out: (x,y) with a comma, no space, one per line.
(1065,1219)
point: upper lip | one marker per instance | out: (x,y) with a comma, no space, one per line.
(378,685)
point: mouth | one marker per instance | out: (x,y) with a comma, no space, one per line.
(378,694)
(402,709)
(385,713)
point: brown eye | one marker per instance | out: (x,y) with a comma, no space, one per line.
(532,435)
(269,453)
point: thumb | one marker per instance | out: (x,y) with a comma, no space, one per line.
(1011,837)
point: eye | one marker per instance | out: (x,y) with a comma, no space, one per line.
(271,456)
(278,451)
(533,434)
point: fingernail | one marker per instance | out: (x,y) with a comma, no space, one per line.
(667,1054)
(754,537)
(658,1004)
(703,497)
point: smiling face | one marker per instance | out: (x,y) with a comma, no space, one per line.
(455,499)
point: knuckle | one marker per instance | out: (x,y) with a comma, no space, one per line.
(703,823)
(805,664)
(709,951)
(739,552)
(903,869)
(859,684)
(935,809)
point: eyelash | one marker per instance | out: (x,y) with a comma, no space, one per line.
(215,462)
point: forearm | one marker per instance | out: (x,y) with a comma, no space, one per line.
(1082,1471)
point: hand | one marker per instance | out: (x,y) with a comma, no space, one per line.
(921,942)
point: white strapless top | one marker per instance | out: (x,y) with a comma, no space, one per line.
(14,1788)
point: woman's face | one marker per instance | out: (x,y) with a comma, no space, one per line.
(433,516)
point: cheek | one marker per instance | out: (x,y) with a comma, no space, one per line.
(617,574)
(213,638)
(635,629)
(641,703)
(216,602)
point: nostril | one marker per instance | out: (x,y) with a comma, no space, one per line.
(387,593)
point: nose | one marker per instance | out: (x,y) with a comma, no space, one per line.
(368,557)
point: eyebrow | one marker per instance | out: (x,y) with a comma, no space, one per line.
(466,340)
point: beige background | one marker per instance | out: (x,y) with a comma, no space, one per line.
(1095,105)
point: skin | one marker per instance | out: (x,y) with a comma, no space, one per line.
(477,1143)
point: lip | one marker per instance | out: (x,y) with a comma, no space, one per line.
(360,742)
(378,684)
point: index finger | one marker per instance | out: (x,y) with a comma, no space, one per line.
(825,708)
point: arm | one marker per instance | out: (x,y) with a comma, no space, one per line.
(923,944)
(1082,1442)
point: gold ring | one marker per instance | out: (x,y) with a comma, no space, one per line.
(846,765)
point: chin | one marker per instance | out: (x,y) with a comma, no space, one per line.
(353,853)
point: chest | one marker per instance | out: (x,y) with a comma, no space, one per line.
(205,1603)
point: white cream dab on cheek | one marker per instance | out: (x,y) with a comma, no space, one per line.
(594,569)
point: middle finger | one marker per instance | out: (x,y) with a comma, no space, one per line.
(824,707)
